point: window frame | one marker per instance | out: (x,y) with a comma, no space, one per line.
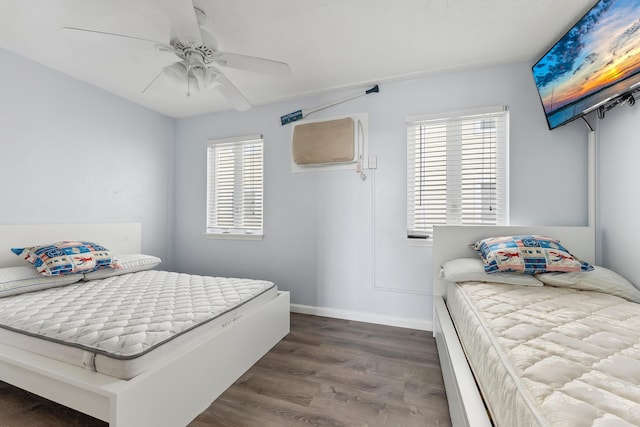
(423,233)
(235,165)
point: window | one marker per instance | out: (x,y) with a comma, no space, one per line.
(234,187)
(457,170)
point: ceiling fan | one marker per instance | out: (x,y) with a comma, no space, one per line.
(198,52)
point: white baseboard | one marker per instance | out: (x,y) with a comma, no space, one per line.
(379,319)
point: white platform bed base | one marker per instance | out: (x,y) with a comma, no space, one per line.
(466,405)
(171,393)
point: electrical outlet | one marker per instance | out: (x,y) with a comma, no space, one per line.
(373,162)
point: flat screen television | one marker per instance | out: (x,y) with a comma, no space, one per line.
(595,62)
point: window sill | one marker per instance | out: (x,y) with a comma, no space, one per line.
(428,243)
(232,236)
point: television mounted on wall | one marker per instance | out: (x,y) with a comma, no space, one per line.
(595,63)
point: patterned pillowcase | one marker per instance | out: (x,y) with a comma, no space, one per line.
(530,254)
(66,257)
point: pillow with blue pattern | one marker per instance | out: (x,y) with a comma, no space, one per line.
(529,254)
(66,257)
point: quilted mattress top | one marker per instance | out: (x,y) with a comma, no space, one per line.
(575,355)
(126,316)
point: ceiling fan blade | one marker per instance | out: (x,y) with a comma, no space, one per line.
(208,39)
(73,30)
(252,63)
(230,91)
(183,19)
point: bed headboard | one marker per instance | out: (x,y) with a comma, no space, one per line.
(120,238)
(452,241)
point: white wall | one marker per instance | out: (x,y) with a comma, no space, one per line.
(320,236)
(73,153)
(618,196)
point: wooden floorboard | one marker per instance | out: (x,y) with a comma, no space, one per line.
(326,372)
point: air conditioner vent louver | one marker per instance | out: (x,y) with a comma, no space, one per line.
(325,142)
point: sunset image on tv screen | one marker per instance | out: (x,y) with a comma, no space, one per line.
(597,59)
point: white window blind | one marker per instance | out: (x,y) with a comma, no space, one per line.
(457,170)
(235,186)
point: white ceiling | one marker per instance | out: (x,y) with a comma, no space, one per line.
(329,44)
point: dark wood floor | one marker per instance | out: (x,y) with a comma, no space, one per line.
(326,372)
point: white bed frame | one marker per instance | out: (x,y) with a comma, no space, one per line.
(170,394)
(466,406)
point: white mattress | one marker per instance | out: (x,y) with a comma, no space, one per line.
(122,325)
(551,356)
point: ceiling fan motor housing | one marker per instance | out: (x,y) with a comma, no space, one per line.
(184,50)
(194,60)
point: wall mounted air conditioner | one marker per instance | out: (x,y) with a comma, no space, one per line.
(329,144)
